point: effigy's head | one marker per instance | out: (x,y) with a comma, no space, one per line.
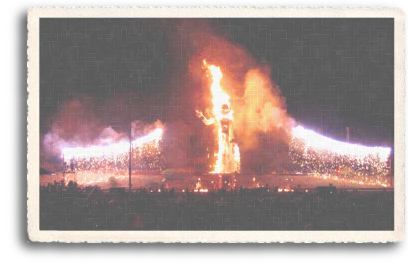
(225,109)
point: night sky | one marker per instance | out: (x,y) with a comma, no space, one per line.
(332,72)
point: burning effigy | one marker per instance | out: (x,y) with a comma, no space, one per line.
(222,117)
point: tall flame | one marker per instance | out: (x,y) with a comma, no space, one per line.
(227,155)
(219,97)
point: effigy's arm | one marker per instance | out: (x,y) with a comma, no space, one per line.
(204,119)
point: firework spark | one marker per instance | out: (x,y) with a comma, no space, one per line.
(146,154)
(317,141)
(319,154)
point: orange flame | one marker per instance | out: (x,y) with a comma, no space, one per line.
(227,155)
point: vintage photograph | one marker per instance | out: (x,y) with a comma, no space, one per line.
(178,123)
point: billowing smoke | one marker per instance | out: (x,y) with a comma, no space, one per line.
(262,109)
(140,128)
(76,125)
(262,125)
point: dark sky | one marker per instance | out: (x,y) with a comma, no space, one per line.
(333,72)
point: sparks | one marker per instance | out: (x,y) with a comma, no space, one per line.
(317,141)
(321,155)
(146,154)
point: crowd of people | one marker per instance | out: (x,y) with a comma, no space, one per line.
(70,207)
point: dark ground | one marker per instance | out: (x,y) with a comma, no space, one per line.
(74,208)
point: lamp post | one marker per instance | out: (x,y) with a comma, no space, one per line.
(348,134)
(130,146)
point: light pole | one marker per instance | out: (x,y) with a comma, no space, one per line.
(348,134)
(130,146)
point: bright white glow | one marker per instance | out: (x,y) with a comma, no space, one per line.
(317,141)
(114,149)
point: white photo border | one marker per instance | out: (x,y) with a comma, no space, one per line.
(33,154)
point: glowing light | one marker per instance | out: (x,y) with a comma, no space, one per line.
(334,160)
(114,157)
(285,190)
(227,155)
(317,141)
(237,158)
(358,180)
(201,190)
(114,149)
